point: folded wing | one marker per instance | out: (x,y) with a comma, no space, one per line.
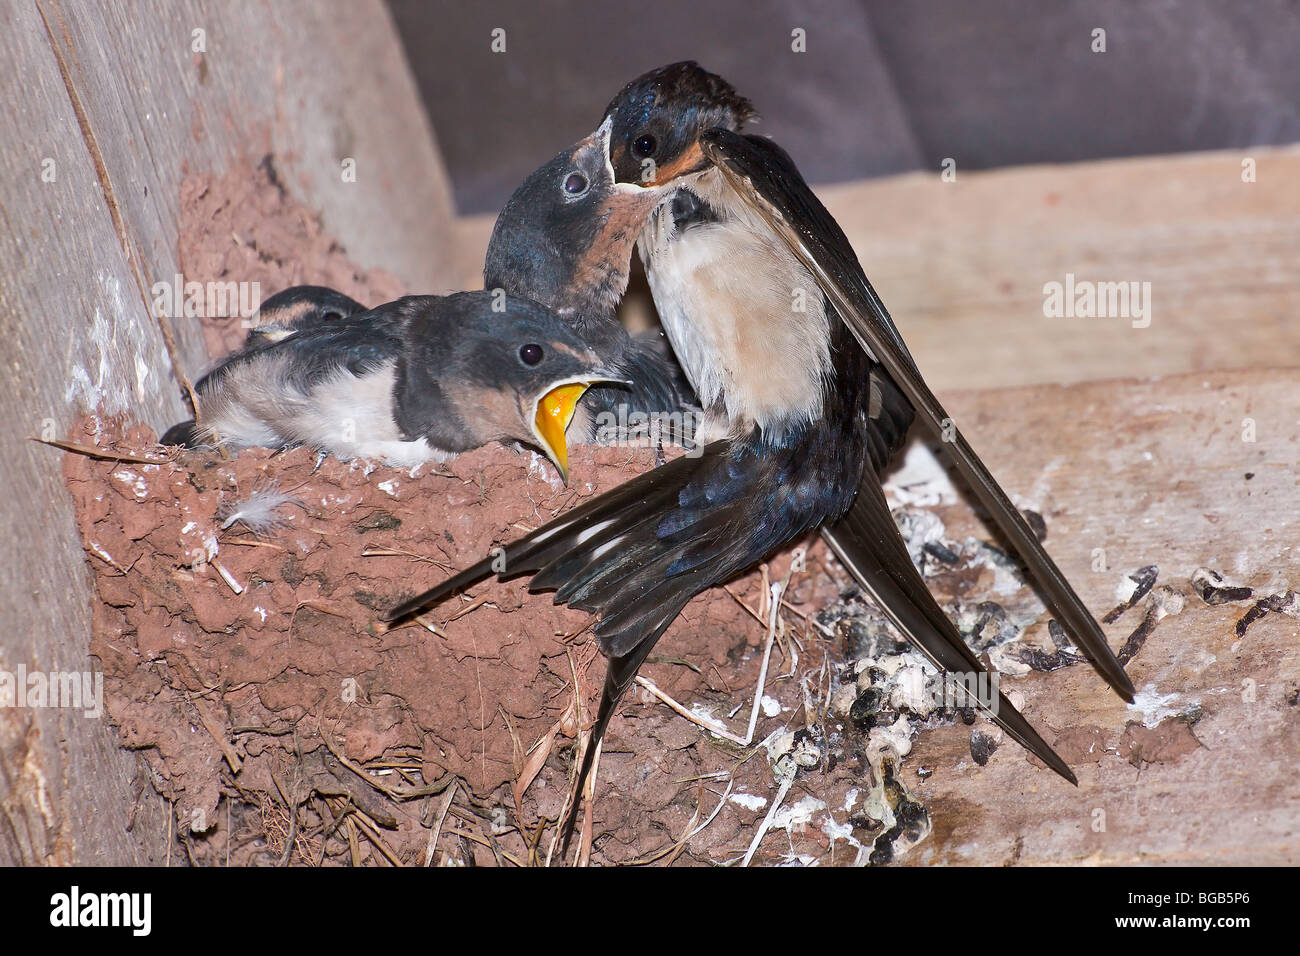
(765,176)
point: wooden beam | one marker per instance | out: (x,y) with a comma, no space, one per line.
(1185,472)
(110,107)
(962,265)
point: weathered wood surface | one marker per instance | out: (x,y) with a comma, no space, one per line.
(962,265)
(73,328)
(114,95)
(1151,473)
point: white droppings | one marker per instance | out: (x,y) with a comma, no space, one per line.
(896,737)
(541,466)
(749,801)
(797,814)
(389,487)
(771,706)
(141,376)
(705,716)
(920,528)
(921,481)
(911,690)
(1153,706)
(139,487)
(838,831)
(1002,660)
(81,386)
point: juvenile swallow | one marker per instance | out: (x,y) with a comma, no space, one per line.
(565,239)
(423,378)
(298,307)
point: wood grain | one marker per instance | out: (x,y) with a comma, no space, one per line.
(1146,473)
(962,265)
(114,96)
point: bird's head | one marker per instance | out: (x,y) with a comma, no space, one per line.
(658,118)
(497,368)
(565,237)
(298,307)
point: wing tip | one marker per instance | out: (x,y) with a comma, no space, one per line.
(1121,681)
(1063,770)
(467,578)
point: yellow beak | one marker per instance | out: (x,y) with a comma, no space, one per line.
(554,412)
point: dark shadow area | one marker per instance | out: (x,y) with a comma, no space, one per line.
(883,86)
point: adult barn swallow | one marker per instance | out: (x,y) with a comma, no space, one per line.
(742,210)
(804,423)
(811,412)
(419,379)
(564,239)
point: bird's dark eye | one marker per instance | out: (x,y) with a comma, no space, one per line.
(575,184)
(644,145)
(531,354)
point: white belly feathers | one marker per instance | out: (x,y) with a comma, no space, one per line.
(749,325)
(351,416)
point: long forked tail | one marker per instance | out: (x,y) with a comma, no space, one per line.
(867,541)
(619,674)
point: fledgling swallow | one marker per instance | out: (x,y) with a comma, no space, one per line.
(420,379)
(297,307)
(564,239)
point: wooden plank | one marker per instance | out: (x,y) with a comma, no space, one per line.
(75,334)
(962,265)
(1143,473)
(114,96)
(316,85)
